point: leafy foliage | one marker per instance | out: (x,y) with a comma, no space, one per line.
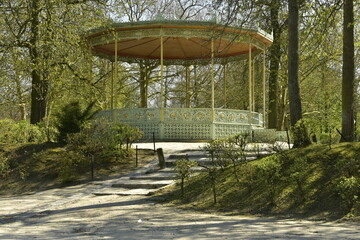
(20,132)
(300,134)
(183,170)
(4,166)
(72,117)
(101,137)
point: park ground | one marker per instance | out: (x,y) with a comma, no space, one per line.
(74,212)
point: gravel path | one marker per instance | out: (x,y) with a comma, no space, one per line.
(54,214)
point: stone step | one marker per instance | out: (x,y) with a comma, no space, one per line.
(155,176)
(202,161)
(202,156)
(171,170)
(123,191)
(192,156)
(141,184)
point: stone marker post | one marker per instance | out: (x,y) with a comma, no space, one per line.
(161,157)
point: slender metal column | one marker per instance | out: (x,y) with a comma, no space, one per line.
(115,71)
(91,72)
(253,85)
(250,84)
(187,87)
(264,86)
(212,81)
(225,87)
(112,87)
(162,94)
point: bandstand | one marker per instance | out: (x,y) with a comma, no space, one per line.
(185,43)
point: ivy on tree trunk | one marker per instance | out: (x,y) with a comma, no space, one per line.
(300,136)
(348,74)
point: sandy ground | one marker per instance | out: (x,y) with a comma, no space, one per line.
(74,213)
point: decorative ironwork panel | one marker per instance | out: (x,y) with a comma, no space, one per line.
(107,114)
(281,136)
(228,130)
(264,135)
(231,116)
(185,123)
(148,129)
(187,131)
(138,115)
(186,115)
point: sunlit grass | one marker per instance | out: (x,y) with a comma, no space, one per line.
(307,184)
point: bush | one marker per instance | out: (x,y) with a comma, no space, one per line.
(183,170)
(71,119)
(4,166)
(125,134)
(300,135)
(20,132)
(71,166)
(101,136)
(270,174)
(240,140)
(216,150)
(299,177)
(349,190)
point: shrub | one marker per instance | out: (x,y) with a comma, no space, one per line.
(104,139)
(125,134)
(4,166)
(299,176)
(183,170)
(6,134)
(216,150)
(20,132)
(349,190)
(240,140)
(270,174)
(70,166)
(72,117)
(300,134)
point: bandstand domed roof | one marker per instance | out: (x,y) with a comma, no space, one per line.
(184,42)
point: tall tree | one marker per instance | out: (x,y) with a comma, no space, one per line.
(348,73)
(275,54)
(45,30)
(38,86)
(300,136)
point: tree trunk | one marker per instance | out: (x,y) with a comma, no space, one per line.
(348,74)
(38,86)
(300,136)
(275,55)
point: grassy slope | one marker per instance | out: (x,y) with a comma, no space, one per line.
(34,167)
(296,182)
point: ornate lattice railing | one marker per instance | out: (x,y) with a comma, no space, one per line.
(186,123)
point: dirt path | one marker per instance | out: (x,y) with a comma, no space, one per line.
(72,213)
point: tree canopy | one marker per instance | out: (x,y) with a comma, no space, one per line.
(45,64)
